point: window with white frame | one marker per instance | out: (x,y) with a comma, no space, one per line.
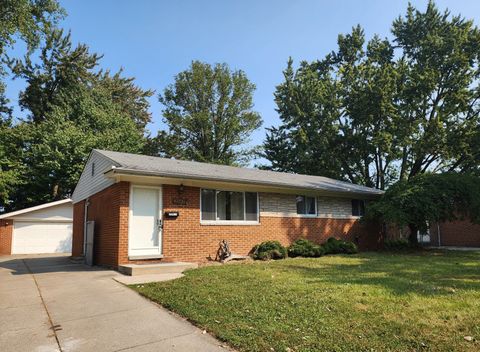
(306,205)
(220,205)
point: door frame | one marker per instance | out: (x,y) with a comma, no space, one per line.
(159,217)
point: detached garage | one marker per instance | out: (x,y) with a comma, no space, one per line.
(46,228)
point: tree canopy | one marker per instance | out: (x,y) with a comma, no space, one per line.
(28,22)
(428,198)
(72,108)
(208,111)
(384,110)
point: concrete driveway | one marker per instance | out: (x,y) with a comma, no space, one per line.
(50,304)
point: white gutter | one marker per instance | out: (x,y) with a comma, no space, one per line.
(35,208)
(373,193)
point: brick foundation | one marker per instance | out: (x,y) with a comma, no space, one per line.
(185,239)
(6,229)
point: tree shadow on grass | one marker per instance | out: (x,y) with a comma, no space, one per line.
(438,273)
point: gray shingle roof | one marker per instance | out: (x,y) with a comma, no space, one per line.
(143,164)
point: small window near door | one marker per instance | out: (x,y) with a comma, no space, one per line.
(358,207)
(306,205)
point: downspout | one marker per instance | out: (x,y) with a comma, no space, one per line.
(438,234)
(85,217)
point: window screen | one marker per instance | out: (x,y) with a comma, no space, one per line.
(208,204)
(358,207)
(228,205)
(306,205)
(251,206)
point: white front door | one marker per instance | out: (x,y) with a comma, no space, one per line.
(145,225)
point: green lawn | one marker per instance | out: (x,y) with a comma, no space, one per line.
(426,301)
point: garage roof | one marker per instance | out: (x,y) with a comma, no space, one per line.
(35,208)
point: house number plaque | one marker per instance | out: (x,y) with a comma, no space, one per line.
(179,201)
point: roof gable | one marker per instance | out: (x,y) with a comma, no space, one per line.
(92,179)
(35,208)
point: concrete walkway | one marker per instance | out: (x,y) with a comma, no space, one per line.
(48,304)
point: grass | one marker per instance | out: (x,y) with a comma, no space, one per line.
(425,301)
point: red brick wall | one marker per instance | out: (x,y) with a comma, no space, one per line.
(186,239)
(6,228)
(109,209)
(77,231)
(457,233)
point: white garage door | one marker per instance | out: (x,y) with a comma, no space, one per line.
(41,237)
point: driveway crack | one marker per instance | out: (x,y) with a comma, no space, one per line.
(156,341)
(53,327)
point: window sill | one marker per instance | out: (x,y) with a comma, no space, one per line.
(229,223)
(346,217)
(145,257)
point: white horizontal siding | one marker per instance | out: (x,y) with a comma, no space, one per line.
(61,212)
(87,184)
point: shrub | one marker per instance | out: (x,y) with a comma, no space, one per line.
(397,244)
(334,246)
(305,248)
(269,250)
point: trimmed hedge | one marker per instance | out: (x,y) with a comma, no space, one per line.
(302,248)
(334,246)
(305,248)
(269,250)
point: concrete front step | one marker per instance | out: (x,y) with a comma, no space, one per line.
(158,268)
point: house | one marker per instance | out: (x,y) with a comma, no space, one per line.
(46,228)
(459,233)
(147,208)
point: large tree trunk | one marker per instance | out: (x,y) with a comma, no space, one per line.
(412,238)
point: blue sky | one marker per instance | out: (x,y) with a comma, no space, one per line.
(153,40)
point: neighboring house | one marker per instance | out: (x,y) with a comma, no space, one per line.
(46,228)
(150,208)
(460,233)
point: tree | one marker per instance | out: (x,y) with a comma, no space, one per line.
(61,70)
(10,166)
(74,107)
(387,110)
(27,21)
(208,111)
(308,106)
(428,198)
